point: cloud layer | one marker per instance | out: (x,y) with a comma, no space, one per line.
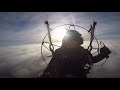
(25,61)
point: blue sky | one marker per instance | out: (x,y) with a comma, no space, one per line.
(29,26)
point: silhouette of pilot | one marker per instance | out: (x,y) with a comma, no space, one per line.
(71,60)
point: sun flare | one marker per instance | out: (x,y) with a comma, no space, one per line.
(59,33)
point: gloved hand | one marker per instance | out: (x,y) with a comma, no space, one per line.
(105,51)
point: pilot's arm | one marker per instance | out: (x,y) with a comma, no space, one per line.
(104,53)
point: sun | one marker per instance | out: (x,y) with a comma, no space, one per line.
(58,33)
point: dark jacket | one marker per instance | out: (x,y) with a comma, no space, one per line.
(70,63)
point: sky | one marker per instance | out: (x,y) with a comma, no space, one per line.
(18,28)
(30,27)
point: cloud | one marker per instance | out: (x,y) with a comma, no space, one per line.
(24,61)
(21,26)
(30,26)
(21,61)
